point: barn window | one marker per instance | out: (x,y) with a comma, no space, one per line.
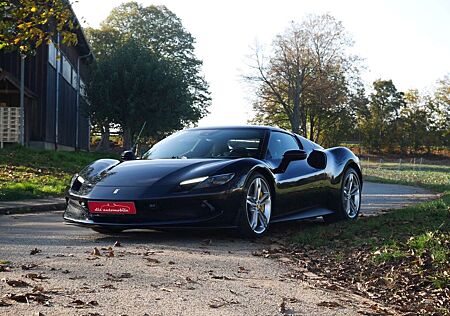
(74,79)
(52,53)
(66,70)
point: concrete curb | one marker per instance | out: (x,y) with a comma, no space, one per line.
(32,206)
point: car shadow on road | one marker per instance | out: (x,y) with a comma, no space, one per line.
(278,233)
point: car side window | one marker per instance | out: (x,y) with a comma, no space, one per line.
(306,145)
(279,143)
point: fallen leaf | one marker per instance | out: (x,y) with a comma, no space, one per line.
(216,304)
(77,277)
(38,288)
(221,277)
(17,283)
(329,304)
(96,252)
(4,304)
(29,266)
(233,292)
(27,297)
(282,306)
(35,251)
(188,279)
(36,276)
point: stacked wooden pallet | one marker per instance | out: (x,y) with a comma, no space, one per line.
(9,125)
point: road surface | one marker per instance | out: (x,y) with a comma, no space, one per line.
(154,273)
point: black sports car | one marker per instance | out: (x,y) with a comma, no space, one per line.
(228,177)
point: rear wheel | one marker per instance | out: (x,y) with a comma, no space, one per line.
(107,231)
(349,202)
(257,209)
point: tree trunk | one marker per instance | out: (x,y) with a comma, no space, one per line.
(127,138)
(295,123)
(311,128)
(103,144)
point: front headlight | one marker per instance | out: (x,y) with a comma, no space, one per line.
(72,181)
(206,182)
(76,182)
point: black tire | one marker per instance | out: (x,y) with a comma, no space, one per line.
(345,200)
(254,220)
(108,231)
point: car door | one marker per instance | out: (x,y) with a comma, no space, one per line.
(296,186)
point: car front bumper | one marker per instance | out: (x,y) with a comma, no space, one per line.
(218,209)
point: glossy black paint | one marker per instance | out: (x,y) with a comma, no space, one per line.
(302,188)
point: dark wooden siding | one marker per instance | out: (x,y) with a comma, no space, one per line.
(40,79)
(50,105)
(35,81)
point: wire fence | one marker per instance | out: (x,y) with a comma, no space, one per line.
(409,170)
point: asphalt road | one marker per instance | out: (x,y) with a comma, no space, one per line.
(173,273)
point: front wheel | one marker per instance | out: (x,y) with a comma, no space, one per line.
(349,202)
(257,209)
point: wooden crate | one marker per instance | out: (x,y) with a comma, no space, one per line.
(9,125)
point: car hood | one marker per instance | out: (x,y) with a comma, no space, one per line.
(144,173)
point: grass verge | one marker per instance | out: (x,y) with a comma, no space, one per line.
(400,258)
(433,177)
(30,173)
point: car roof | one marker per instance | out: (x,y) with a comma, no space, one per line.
(265,127)
(260,127)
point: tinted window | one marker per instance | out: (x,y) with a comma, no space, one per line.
(307,144)
(209,143)
(279,143)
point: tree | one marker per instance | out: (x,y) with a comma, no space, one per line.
(162,33)
(379,122)
(414,122)
(132,86)
(103,41)
(26,24)
(441,105)
(162,36)
(306,83)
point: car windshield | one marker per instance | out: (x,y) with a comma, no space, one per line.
(209,143)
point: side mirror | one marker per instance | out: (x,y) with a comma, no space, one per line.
(127,155)
(317,159)
(288,157)
(292,155)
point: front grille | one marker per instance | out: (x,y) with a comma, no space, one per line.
(162,211)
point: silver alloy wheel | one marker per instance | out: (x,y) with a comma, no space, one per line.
(352,195)
(259,205)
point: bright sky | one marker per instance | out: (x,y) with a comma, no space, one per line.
(406,41)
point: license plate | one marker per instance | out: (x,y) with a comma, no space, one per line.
(96,207)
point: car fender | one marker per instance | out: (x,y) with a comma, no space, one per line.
(342,158)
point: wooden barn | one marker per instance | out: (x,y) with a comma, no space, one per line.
(53,108)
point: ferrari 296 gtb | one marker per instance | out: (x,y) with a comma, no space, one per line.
(243,177)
